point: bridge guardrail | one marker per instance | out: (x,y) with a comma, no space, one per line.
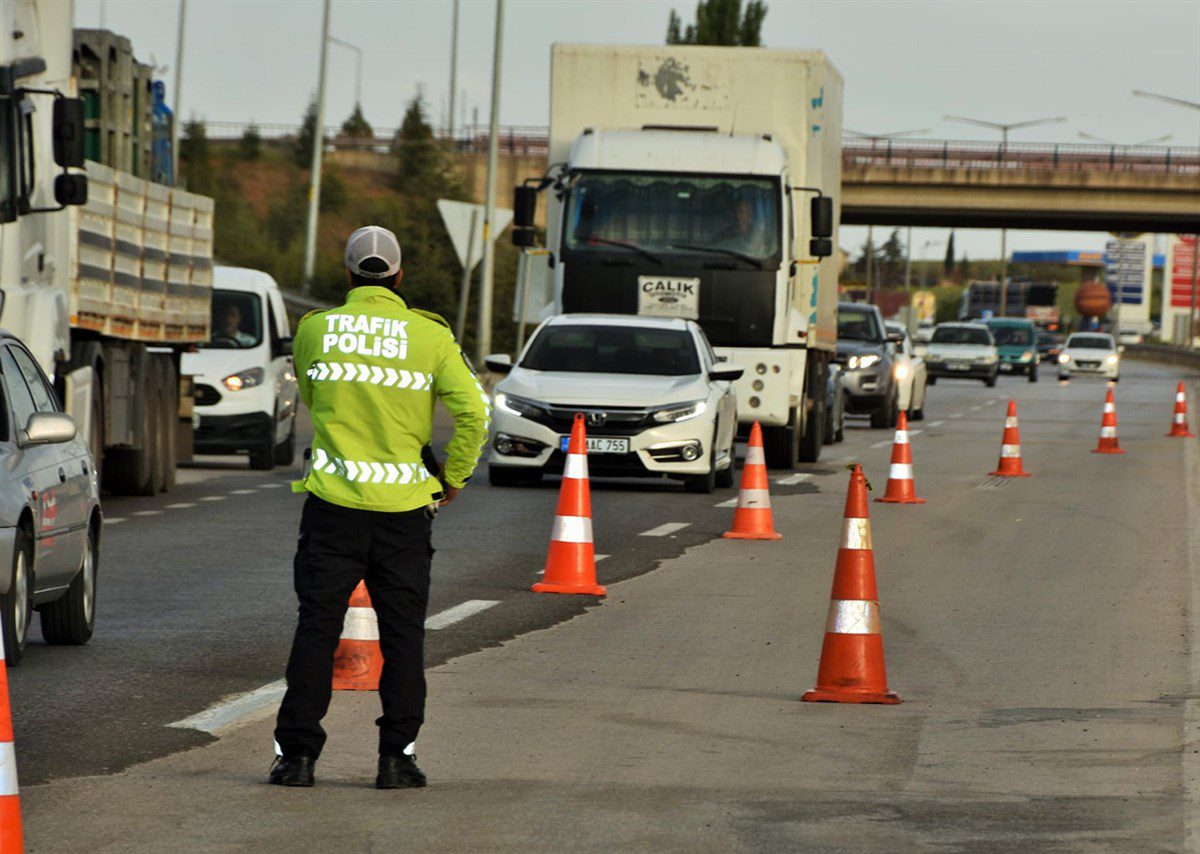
(1165,353)
(967,154)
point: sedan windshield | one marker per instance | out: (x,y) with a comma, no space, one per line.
(1090,342)
(962,335)
(858,324)
(613,350)
(236,320)
(665,214)
(1019,336)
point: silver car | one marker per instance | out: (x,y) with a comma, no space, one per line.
(49,510)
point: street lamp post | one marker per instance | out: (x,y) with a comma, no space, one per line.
(318,146)
(178,116)
(358,56)
(453,72)
(483,337)
(1004,128)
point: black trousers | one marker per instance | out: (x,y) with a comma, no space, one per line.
(339,547)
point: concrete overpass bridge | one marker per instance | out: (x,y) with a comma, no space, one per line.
(1039,185)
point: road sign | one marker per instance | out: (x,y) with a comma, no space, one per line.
(1125,270)
(468,241)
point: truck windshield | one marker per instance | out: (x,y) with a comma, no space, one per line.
(613,350)
(236,320)
(673,214)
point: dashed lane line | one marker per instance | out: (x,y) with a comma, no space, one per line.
(250,704)
(213,498)
(114,520)
(882,444)
(790,480)
(665,530)
(732,502)
(933,424)
(269,486)
(956,415)
(976,408)
(183,505)
(147,512)
(242,491)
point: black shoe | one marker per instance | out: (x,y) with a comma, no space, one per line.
(399,772)
(294,771)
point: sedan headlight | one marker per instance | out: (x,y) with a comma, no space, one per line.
(680,412)
(1063,358)
(514,405)
(1112,359)
(866,361)
(244,379)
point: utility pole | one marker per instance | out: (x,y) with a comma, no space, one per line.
(487,275)
(358,57)
(453,69)
(318,148)
(177,116)
(1004,128)
(870,258)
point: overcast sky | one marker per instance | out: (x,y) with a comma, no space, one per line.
(906,64)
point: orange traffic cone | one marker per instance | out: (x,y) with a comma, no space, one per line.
(752,519)
(571,562)
(1010,450)
(10,799)
(900,488)
(1179,425)
(1108,429)
(358,662)
(852,668)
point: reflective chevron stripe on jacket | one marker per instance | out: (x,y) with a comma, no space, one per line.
(373,374)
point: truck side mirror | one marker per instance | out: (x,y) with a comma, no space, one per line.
(68,133)
(822,218)
(71,189)
(820,247)
(524,213)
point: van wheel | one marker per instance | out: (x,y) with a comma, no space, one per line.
(285,451)
(72,618)
(262,458)
(15,607)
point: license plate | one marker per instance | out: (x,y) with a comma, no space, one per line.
(663,296)
(959,366)
(1006,367)
(599,445)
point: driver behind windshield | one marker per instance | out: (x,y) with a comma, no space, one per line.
(747,233)
(231,322)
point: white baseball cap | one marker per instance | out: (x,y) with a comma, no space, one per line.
(373,252)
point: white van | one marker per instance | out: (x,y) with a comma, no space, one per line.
(246,395)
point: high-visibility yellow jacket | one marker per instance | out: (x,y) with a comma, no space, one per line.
(370,372)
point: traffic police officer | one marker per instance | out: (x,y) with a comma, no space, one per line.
(369,372)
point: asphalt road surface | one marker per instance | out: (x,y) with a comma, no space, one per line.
(1039,633)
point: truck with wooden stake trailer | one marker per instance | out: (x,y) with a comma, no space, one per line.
(104,274)
(699,182)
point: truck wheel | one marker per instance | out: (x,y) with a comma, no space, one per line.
(130,471)
(285,451)
(814,437)
(990,382)
(168,421)
(71,618)
(15,607)
(781,444)
(96,439)
(1033,375)
(931,381)
(839,433)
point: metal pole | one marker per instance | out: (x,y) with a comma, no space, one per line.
(318,143)
(453,69)
(464,291)
(870,258)
(523,266)
(483,335)
(177,116)
(358,80)
(1003,245)
(1191,339)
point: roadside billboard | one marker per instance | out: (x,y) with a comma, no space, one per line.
(1177,286)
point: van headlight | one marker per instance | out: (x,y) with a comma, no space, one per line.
(680,412)
(244,379)
(856,362)
(514,405)
(1027,355)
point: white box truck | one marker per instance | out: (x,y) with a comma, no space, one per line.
(105,276)
(701,182)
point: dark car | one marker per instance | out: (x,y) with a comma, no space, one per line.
(1049,345)
(866,353)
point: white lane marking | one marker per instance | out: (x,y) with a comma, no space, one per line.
(114,520)
(793,479)
(600,558)
(933,424)
(216,718)
(883,444)
(956,415)
(732,502)
(1191,707)
(841,460)
(269,486)
(665,530)
(458,613)
(916,432)
(977,408)
(213,498)
(993,400)
(147,512)
(241,492)
(181,506)
(239,706)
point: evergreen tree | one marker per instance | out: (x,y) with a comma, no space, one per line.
(194,160)
(964,269)
(357,126)
(720,22)
(308,132)
(892,253)
(948,263)
(250,145)
(420,160)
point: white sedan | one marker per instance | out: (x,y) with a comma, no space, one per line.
(1090,354)
(656,402)
(909,369)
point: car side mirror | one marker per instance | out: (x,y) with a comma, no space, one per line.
(47,428)
(67,134)
(821,212)
(499,363)
(726,373)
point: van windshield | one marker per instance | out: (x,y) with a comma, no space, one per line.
(237,320)
(613,350)
(1019,336)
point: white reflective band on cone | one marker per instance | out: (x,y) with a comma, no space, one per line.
(360,625)
(1010,450)
(755,499)
(1108,407)
(1010,422)
(8,769)
(901,437)
(900,471)
(1108,432)
(853,617)
(1179,418)
(754,457)
(572,529)
(856,534)
(576,467)
(1180,398)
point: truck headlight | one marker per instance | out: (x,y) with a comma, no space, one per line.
(680,412)
(514,405)
(243,379)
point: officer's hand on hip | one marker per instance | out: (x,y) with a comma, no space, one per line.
(451,494)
